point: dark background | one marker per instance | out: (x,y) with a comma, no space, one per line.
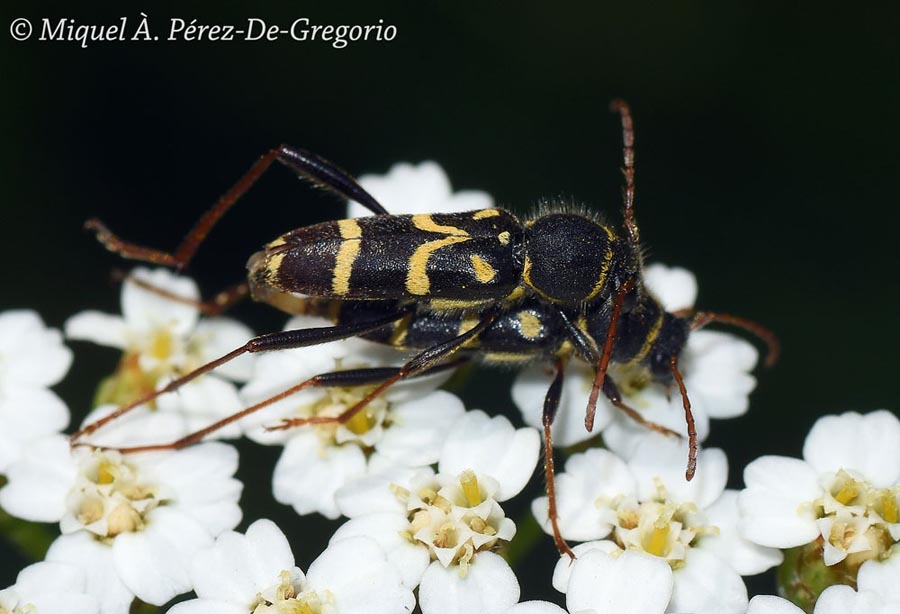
(766,163)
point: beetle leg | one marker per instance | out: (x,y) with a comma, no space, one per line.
(551,404)
(351,377)
(423,361)
(611,391)
(282,340)
(603,365)
(693,444)
(313,168)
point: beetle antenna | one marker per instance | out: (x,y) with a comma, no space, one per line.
(693,445)
(702,318)
(621,107)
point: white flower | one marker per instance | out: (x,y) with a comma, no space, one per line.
(162,339)
(130,522)
(647,506)
(441,530)
(423,188)
(32,358)
(47,588)
(846,491)
(406,425)
(716,368)
(255,573)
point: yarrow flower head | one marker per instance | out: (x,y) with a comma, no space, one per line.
(406,425)
(647,506)
(255,574)
(842,498)
(162,338)
(442,530)
(32,358)
(130,522)
(716,368)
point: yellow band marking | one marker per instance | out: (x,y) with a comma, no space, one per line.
(529,325)
(604,272)
(484,272)
(351,233)
(426,223)
(517,293)
(651,338)
(467,324)
(485,213)
(503,237)
(349,229)
(417,281)
(398,335)
(449,304)
(508,357)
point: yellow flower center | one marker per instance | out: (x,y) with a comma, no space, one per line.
(285,599)
(109,497)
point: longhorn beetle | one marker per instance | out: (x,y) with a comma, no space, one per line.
(480,285)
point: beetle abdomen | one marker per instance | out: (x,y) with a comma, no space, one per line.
(460,256)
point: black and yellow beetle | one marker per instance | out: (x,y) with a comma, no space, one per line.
(480,285)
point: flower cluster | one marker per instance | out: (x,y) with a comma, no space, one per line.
(424,486)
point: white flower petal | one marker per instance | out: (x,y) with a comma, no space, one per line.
(768,604)
(203,402)
(26,415)
(418,428)
(200,480)
(562,572)
(717,370)
(676,288)
(841,599)
(207,606)
(387,529)
(308,474)
(705,585)
(588,476)
(46,585)
(39,481)
(140,426)
(217,337)
(535,607)
(664,459)
(632,583)
(624,436)
(530,389)
(32,354)
(357,573)
(96,559)
(744,556)
(100,328)
(776,506)
(489,587)
(153,563)
(882,577)
(869,444)
(374,492)
(491,446)
(238,567)
(144,310)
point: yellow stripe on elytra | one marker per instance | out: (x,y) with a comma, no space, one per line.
(351,235)
(425,222)
(650,339)
(484,272)
(480,215)
(417,281)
